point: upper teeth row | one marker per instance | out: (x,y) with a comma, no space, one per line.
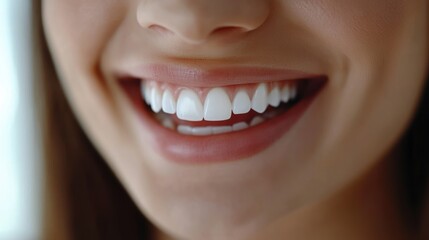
(217,105)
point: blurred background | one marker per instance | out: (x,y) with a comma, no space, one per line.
(20,166)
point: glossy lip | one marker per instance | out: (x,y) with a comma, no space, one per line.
(227,76)
(231,146)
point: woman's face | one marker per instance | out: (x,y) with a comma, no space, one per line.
(335,81)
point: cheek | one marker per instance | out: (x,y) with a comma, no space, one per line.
(77,30)
(380,42)
(349,25)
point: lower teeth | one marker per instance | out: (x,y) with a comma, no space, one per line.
(169,123)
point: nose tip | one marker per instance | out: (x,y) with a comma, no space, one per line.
(197,23)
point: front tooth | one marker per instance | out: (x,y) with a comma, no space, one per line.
(274,97)
(285,95)
(155,99)
(259,100)
(189,106)
(217,106)
(168,102)
(241,103)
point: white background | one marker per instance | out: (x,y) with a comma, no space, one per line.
(20,168)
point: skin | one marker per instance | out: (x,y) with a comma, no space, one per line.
(333,176)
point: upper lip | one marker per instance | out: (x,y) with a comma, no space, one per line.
(225,76)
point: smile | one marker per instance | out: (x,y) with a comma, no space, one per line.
(218,110)
(203,117)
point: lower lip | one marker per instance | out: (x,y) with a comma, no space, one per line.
(186,149)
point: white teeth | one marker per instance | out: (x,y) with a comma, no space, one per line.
(256,121)
(239,126)
(274,97)
(241,103)
(260,99)
(222,129)
(189,106)
(187,130)
(202,131)
(168,102)
(155,99)
(211,130)
(285,94)
(217,106)
(145,91)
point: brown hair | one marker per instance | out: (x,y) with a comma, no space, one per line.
(415,166)
(84,200)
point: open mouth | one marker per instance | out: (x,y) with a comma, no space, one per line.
(218,110)
(218,120)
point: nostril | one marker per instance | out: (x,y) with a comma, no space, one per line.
(228,30)
(218,31)
(159,28)
(197,21)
